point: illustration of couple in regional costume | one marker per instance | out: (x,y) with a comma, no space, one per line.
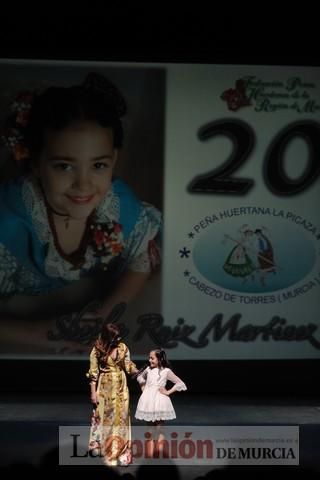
(252,254)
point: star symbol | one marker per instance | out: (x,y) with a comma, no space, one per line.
(190,234)
(184,252)
(186,273)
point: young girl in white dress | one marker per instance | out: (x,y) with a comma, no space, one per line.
(154,404)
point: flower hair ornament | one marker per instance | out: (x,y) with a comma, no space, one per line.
(12,135)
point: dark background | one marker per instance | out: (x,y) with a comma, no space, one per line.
(294,378)
(257,33)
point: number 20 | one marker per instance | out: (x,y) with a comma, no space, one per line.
(242,136)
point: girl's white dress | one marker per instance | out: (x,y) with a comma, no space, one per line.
(153,405)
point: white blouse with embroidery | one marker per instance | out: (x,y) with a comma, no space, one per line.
(108,211)
(135,249)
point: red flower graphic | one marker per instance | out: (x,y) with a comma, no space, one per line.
(236,97)
(106,241)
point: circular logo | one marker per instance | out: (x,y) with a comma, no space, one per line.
(252,257)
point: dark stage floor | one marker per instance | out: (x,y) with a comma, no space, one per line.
(29,423)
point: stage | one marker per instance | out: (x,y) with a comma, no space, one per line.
(30,425)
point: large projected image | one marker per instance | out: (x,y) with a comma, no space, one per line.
(81,200)
(196,231)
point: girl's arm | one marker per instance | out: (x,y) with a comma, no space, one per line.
(178,384)
(145,261)
(53,335)
(128,287)
(39,336)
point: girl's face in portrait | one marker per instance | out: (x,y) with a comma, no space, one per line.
(75,167)
(153,360)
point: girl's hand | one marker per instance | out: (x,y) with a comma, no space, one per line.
(163,391)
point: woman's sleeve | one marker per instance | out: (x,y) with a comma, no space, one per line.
(93,372)
(142,378)
(178,383)
(144,241)
(129,366)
